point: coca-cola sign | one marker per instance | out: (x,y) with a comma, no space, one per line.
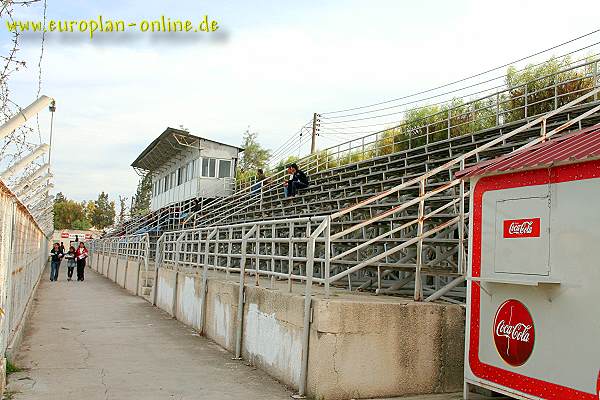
(514,333)
(522,228)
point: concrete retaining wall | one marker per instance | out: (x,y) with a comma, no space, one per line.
(132,276)
(272,338)
(187,309)
(165,295)
(360,346)
(120,272)
(383,349)
(221,313)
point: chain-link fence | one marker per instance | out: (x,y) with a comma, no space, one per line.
(23,255)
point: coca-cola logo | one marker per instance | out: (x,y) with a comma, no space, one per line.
(514,333)
(521,228)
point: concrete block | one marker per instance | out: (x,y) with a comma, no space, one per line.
(119,263)
(2,375)
(362,349)
(165,288)
(120,272)
(189,292)
(272,337)
(108,264)
(221,312)
(132,277)
(100,263)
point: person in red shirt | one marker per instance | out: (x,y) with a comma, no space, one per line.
(80,255)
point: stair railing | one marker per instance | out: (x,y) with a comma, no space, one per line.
(424,194)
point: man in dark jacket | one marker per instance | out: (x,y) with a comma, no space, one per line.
(299,180)
(56,256)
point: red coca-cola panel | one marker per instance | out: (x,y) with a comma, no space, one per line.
(514,333)
(64,235)
(521,228)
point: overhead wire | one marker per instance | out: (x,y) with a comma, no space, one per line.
(468,77)
(326,119)
(290,138)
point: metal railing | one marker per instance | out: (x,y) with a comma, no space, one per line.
(314,249)
(430,219)
(23,256)
(516,105)
(132,247)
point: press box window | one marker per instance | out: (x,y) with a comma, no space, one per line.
(181,176)
(190,171)
(224,168)
(209,167)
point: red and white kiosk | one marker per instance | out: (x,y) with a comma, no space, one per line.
(533,289)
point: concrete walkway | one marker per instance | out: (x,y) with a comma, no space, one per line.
(92,340)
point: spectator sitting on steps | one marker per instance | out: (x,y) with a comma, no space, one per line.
(261,180)
(299,180)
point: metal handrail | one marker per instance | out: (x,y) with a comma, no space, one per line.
(478,149)
(421,181)
(498,105)
(374,143)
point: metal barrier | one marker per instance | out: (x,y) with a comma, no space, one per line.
(136,247)
(23,256)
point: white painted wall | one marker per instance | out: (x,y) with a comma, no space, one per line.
(273,346)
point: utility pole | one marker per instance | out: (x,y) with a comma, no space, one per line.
(313,144)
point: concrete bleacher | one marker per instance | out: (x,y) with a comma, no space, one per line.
(335,188)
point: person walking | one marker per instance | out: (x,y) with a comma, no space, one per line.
(298,181)
(80,255)
(71,262)
(56,256)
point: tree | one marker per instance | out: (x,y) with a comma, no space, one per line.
(66,212)
(81,225)
(143,194)
(89,207)
(103,214)
(254,155)
(59,197)
(283,163)
(122,209)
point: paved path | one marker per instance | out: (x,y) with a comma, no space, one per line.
(92,340)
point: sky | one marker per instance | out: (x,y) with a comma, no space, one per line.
(271,66)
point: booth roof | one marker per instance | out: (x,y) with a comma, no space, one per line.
(583,145)
(168,145)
